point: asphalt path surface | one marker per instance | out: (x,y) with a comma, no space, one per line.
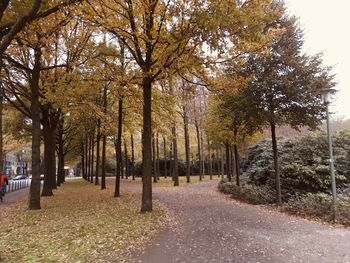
(207,226)
(15,196)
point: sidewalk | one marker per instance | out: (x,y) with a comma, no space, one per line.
(15,196)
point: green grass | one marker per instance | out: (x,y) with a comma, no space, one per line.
(80,223)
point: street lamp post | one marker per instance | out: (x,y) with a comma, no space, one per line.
(326,98)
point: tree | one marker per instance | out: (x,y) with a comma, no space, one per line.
(153,47)
(163,35)
(37,62)
(286,86)
(13,20)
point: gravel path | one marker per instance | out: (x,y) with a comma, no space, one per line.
(209,227)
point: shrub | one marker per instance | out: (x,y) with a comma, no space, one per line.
(248,193)
(303,163)
(319,205)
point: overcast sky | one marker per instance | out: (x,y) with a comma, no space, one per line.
(326,27)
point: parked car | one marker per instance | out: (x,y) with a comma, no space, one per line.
(41,177)
(20,177)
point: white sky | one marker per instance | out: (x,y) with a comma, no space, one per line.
(326,25)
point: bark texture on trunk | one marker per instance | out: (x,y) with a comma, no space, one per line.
(210,162)
(165,158)
(119,149)
(154,160)
(98,139)
(92,156)
(202,154)
(228,162)
(103,162)
(132,157)
(187,146)
(1,133)
(89,159)
(236,153)
(60,153)
(146,205)
(222,163)
(171,164)
(232,162)
(176,165)
(157,150)
(276,165)
(104,142)
(126,160)
(199,150)
(34,191)
(86,157)
(49,153)
(82,152)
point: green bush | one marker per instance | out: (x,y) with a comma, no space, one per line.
(248,193)
(312,204)
(305,176)
(319,205)
(304,164)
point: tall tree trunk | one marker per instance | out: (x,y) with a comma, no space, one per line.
(165,158)
(176,165)
(154,160)
(86,157)
(122,167)
(276,165)
(119,148)
(103,162)
(60,168)
(218,162)
(236,153)
(210,162)
(104,142)
(147,146)
(233,163)
(126,160)
(1,133)
(228,162)
(60,152)
(89,158)
(157,150)
(83,160)
(49,154)
(202,154)
(171,164)
(199,149)
(132,157)
(92,156)
(34,191)
(53,135)
(222,163)
(187,146)
(98,139)
(85,147)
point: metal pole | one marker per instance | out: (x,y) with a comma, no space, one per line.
(331,165)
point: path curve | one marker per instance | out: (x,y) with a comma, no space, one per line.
(210,227)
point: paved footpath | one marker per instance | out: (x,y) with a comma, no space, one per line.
(210,227)
(15,196)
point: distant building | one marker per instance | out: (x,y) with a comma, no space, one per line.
(10,164)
